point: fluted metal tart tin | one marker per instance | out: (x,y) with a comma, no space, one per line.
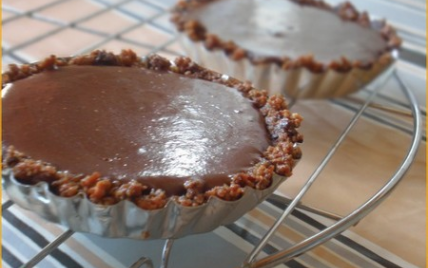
(125,219)
(297,83)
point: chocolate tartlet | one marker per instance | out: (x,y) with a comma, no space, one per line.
(261,39)
(117,127)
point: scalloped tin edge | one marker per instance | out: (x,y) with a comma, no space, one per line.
(125,219)
(298,83)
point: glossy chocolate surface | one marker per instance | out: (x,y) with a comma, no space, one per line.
(157,127)
(282,28)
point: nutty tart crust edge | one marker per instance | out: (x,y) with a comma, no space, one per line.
(280,157)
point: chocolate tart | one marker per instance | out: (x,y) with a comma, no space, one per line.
(302,48)
(145,148)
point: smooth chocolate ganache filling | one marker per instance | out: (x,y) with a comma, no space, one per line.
(159,128)
(284,28)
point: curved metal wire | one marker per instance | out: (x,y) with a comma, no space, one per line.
(364,209)
(309,182)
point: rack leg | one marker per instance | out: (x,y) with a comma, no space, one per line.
(166,252)
(142,261)
(48,249)
(7,204)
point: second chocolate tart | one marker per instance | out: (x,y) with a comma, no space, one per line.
(305,49)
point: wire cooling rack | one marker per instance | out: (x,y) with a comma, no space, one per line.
(89,29)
